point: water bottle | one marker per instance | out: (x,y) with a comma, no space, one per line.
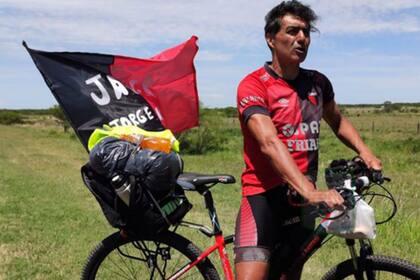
(122,188)
(157,144)
(149,142)
(133,138)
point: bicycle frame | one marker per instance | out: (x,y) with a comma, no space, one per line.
(309,247)
(315,241)
(219,244)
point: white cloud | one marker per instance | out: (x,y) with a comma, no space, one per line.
(237,24)
(206,55)
(364,25)
(132,22)
(229,31)
(361,6)
(377,89)
(369,77)
(361,16)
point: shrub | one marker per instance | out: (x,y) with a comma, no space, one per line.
(9,117)
(213,133)
(230,112)
(200,140)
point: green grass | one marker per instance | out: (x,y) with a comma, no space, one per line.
(49,221)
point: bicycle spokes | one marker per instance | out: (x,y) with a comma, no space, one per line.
(144,260)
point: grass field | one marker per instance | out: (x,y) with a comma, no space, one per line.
(49,221)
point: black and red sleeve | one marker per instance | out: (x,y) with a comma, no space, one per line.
(251,99)
(327,89)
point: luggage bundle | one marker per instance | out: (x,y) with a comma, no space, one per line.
(136,187)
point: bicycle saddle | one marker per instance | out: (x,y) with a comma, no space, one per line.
(189,181)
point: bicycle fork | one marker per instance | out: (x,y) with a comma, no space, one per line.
(350,244)
(359,263)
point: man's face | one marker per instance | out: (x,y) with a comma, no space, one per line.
(291,43)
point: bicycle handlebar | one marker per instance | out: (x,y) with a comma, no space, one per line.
(350,178)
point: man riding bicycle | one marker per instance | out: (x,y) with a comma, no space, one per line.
(280,108)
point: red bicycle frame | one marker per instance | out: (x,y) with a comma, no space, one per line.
(219,244)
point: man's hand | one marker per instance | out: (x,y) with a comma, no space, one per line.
(371,160)
(331,198)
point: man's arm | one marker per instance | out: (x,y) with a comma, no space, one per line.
(346,132)
(263,130)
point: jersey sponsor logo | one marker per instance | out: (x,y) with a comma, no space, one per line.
(264,77)
(252,98)
(291,221)
(289,130)
(284,102)
(303,145)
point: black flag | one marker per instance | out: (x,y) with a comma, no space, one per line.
(98,89)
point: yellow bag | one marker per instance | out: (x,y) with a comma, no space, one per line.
(124,132)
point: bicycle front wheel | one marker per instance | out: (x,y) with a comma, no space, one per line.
(156,257)
(375,267)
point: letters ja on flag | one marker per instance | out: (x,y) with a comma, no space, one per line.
(96,89)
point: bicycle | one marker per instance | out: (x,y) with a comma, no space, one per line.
(169,255)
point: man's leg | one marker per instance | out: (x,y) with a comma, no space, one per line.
(294,236)
(254,238)
(251,270)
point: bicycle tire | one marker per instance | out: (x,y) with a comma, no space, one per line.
(383,267)
(125,258)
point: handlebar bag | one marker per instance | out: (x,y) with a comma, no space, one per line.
(356,223)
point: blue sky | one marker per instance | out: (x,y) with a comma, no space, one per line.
(370,49)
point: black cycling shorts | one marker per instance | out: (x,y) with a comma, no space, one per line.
(269,229)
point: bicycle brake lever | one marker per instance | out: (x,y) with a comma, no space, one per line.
(376,176)
(323,209)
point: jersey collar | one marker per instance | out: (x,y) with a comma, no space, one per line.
(275,76)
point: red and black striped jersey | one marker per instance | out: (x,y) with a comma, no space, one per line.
(295,107)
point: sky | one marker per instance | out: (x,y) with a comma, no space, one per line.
(369,49)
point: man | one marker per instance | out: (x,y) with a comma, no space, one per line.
(280,107)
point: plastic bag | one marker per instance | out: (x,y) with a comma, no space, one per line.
(109,157)
(157,170)
(155,200)
(357,223)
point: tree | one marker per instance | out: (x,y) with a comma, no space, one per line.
(58,113)
(389,107)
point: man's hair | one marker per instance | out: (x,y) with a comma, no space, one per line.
(293,7)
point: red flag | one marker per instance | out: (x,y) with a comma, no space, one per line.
(167,81)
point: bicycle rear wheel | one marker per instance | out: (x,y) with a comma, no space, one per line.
(156,257)
(375,267)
